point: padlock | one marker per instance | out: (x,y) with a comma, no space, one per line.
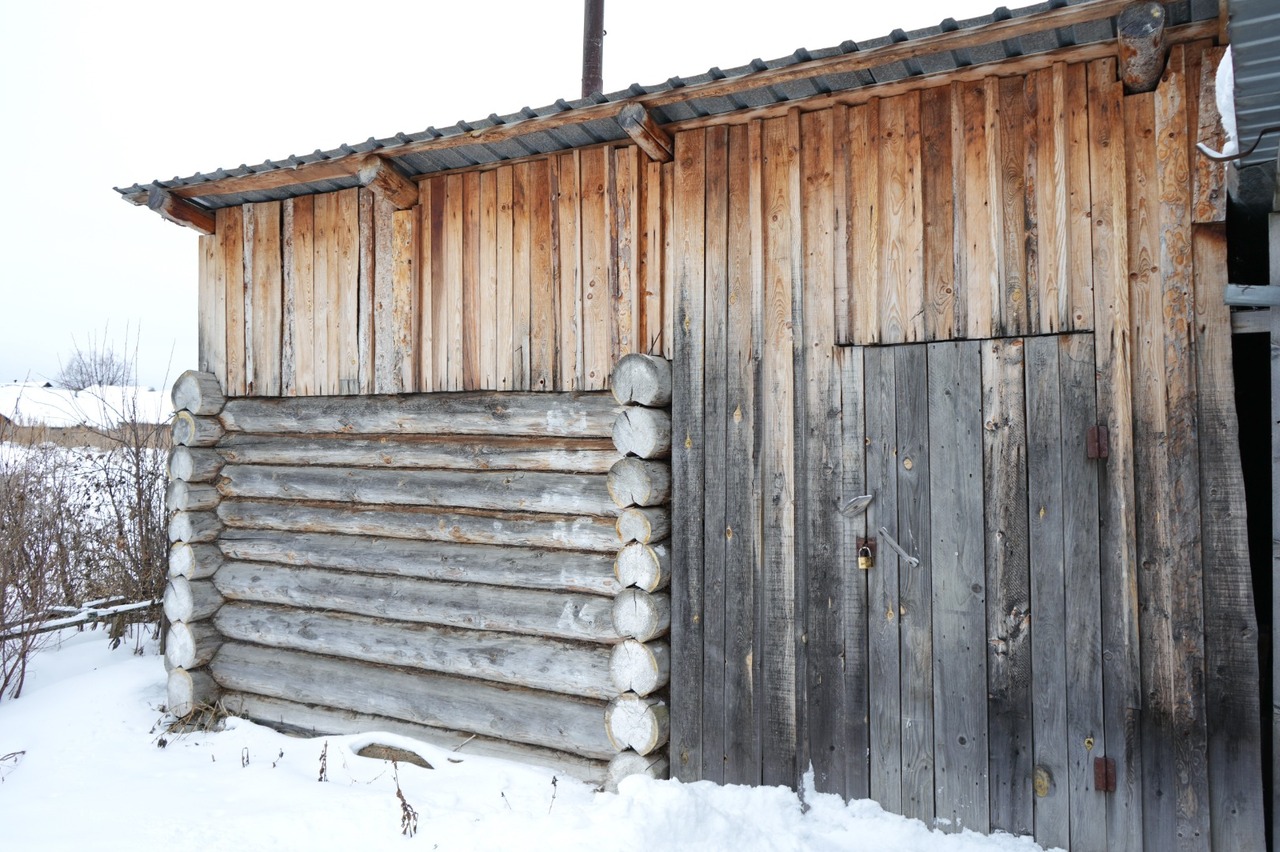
(864,558)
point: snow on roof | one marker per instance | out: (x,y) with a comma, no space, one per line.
(101,406)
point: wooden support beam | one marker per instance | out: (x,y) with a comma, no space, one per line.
(640,125)
(1143,49)
(1252,296)
(180,211)
(1251,322)
(387,182)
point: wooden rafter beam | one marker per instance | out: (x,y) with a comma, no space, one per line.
(180,211)
(649,137)
(387,183)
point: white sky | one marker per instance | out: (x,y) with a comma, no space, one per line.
(95,95)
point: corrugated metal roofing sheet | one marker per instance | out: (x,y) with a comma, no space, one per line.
(1255,55)
(460,153)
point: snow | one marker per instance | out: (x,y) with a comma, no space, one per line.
(1224,92)
(101,406)
(92,774)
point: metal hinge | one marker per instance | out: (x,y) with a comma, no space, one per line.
(1104,774)
(1097,442)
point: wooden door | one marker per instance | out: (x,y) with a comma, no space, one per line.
(983,646)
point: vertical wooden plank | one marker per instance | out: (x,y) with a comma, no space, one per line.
(403,253)
(1035,99)
(978,237)
(687,457)
(841,227)
(651,300)
(901,226)
(596,262)
(504,300)
(624,270)
(1210,178)
(542,276)
(741,509)
(1083,640)
(1051,199)
(855,607)
(1045,493)
(488,281)
(267,285)
(1079,308)
(778,474)
(210,343)
(369,260)
(323,303)
(1273,242)
(381,240)
(1013,207)
(883,639)
(344,318)
(715,458)
(248,222)
(915,584)
(474,330)
(453,306)
(1008,586)
(302,270)
(956,556)
(424,287)
(864,225)
(230,227)
(1121,685)
(938,200)
(668,260)
(817,460)
(521,274)
(569,264)
(288,300)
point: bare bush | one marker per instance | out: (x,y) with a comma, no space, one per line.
(96,364)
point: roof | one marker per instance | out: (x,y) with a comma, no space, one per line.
(563,125)
(1255,54)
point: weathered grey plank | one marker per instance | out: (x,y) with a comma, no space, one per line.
(478,413)
(502,712)
(1085,732)
(1045,493)
(500,491)
(883,640)
(956,555)
(575,533)
(536,662)
(520,567)
(1008,586)
(687,457)
(915,585)
(539,613)
(583,455)
(314,721)
(854,605)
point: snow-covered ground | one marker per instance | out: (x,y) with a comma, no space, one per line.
(82,767)
(100,406)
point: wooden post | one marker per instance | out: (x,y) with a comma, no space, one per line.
(1140,31)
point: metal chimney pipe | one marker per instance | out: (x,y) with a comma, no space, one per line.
(592,47)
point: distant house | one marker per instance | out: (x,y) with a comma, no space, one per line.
(975,273)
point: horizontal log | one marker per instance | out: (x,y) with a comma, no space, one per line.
(185,496)
(190,600)
(556,531)
(190,645)
(198,393)
(314,721)
(190,691)
(643,432)
(1140,31)
(194,464)
(562,615)
(640,615)
(642,380)
(194,527)
(628,763)
(639,723)
(499,491)
(644,525)
(545,719)
(476,413)
(387,182)
(640,667)
(548,664)
(192,431)
(643,566)
(194,561)
(492,565)
(1252,295)
(445,452)
(637,482)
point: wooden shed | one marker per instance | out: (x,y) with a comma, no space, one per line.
(543,435)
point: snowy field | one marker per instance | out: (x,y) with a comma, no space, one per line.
(81,767)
